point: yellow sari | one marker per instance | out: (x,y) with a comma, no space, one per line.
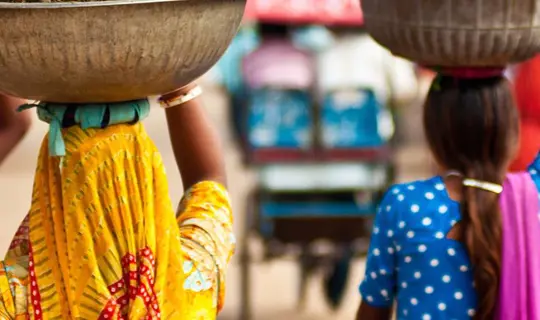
(101,240)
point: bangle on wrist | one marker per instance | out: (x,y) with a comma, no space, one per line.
(181,98)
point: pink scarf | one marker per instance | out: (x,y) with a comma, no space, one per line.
(519,291)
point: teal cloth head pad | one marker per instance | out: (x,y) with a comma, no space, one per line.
(59,116)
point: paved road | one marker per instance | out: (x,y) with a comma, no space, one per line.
(274,285)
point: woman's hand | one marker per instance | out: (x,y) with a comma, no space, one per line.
(367,312)
(196,144)
(13,125)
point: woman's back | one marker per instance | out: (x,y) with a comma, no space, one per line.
(413,261)
(446,248)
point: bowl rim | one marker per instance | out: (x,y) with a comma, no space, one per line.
(81,4)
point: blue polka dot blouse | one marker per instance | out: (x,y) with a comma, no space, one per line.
(411,261)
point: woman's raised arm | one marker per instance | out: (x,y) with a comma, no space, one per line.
(196,144)
(205,216)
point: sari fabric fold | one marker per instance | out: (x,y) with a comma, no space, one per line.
(519,291)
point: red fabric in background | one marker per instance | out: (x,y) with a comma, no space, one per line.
(529,145)
(527,93)
(527,89)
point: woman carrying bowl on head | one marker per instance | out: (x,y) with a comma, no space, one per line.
(101,239)
(459,245)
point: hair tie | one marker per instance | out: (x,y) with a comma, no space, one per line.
(478,184)
(484,185)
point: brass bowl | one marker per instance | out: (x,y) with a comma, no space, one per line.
(458,32)
(111,51)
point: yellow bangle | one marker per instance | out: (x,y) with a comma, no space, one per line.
(181,99)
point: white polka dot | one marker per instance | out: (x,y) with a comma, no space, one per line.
(410,234)
(405,312)
(439,235)
(404,284)
(458,295)
(451,252)
(417,275)
(408,259)
(441,306)
(390,233)
(395,191)
(369,298)
(426,317)
(402,224)
(401,197)
(439,186)
(463,268)
(429,195)
(429,290)
(443,209)
(446,278)
(373,275)
(376,252)
(471,312)
(422,248)
(390,250)
(434,262)
(384,293)
(398,248)
(426,221)
(415,208)
(376,230)
(453,223)
(382,272)
(388,208)
(411,187)
(414,301)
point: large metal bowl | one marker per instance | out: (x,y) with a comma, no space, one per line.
(111,51)
(456,32)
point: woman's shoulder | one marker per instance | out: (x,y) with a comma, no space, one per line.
(418,190)
(405,200)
